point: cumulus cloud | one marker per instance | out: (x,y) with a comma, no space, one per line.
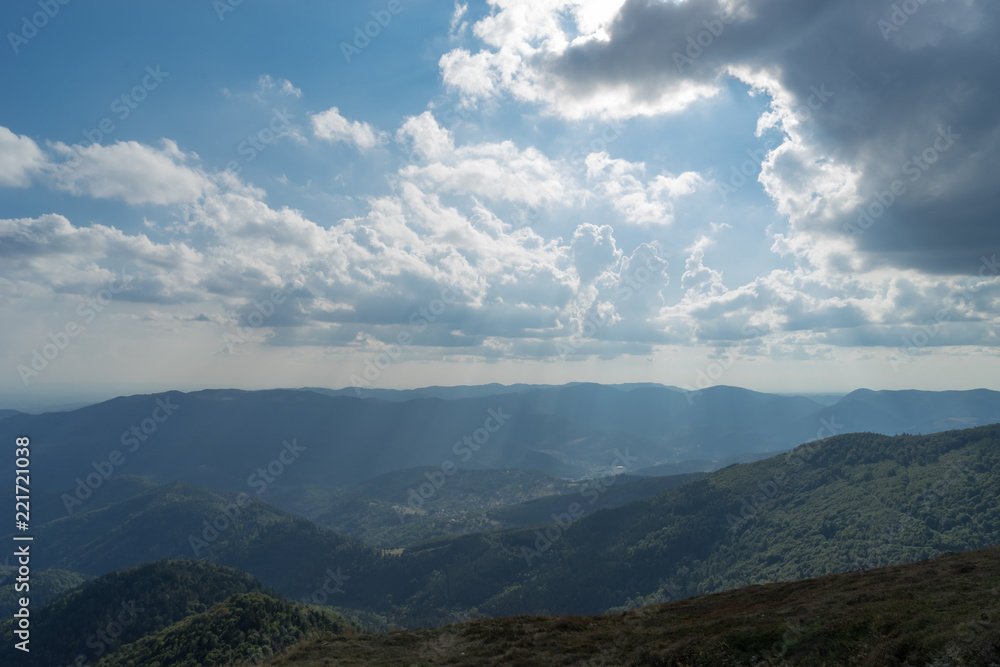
(638,202)
(330,126)
(496,171)
(20,159)
(428,139)
(132,172)
(866,99)
(48,255)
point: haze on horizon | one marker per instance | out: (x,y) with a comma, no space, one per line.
(784,197)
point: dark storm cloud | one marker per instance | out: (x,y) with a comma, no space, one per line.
(900,77)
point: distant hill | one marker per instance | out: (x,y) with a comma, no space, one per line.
(219,439)
(943,611)
(223,439)
(405,507)
(466,391)
(912,411)
(592,496)
(180,521)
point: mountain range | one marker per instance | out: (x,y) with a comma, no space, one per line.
(296,503)
(227,439)
(847,502)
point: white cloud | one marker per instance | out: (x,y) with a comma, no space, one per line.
(132,172)
(528,42)
(20,159)
(267,84)
(428,139)
(497,171)
(470,74)
(652,203)
(331,126)
(48,256)
(457,27)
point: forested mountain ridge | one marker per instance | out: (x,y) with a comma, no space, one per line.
(848,502)
(843,503)
(406,507)
(222,439)
(100,617)
(244,629)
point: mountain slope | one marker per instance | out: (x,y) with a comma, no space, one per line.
(100,616)
(177,520)
(46,585)
(858,500)
(405,507)
(244,629)
(943,611)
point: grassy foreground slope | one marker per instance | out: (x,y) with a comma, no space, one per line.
(942,611)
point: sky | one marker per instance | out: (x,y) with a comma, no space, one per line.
(782,195)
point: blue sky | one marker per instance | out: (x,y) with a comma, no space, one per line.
(255,195)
